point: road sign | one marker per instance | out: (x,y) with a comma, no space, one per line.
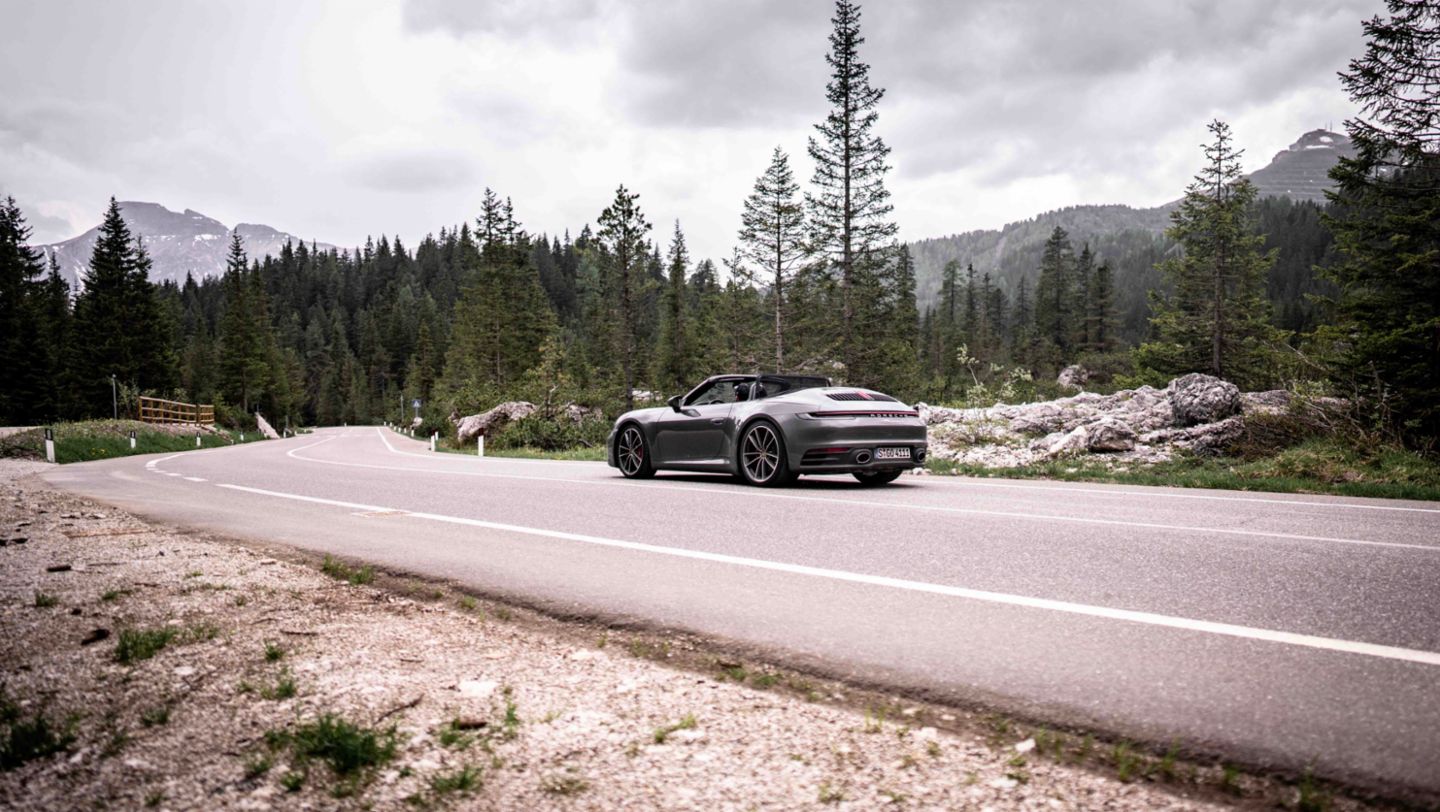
(415,404)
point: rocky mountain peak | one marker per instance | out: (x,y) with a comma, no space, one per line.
(180,243)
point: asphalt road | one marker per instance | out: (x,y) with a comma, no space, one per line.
(1279,630)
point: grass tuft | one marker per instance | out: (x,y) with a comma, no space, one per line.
(44,601)
(462,781)
(663,733)
(341,571)
(26,739)
(141,644)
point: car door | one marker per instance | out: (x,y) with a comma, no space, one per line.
(697,431)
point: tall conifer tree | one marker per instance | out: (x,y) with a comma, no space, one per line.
(849,208)
(1218,319)
(772,236)
(1387,222)
(622,233)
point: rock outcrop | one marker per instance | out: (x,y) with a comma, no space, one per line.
(1197,413)
(488,422)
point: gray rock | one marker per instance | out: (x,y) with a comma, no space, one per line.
(1198,398)
(1073,377)
(1108,435)
(468,428)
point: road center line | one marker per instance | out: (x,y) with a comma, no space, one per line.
(1126,615)
(762,494)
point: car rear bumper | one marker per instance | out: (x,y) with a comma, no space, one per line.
(837,447)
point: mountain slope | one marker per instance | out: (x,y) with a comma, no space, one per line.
(1130,239)
(178,242)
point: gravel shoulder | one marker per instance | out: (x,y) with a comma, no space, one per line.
(443,700)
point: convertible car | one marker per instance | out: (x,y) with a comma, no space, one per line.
(769,429)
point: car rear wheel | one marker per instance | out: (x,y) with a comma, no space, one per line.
(633,455)
(876,477)
(762,456)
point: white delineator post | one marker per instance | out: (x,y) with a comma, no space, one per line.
(49,445)
(433,437)
(197,441)
(132,441)
(482,445)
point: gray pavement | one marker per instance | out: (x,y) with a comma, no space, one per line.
(1278,630)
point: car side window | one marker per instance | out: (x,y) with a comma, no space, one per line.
(718,392)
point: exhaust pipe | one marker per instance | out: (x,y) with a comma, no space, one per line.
(862,457)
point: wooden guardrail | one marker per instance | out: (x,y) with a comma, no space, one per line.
(157,410)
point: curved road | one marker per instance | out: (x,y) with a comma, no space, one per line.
(1280,630)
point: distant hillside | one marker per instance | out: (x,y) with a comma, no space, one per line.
(1302,172)
(1130,239)
(178,242)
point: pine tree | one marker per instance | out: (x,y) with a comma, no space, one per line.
(244,365)
(622,233)
(1084,280)
(849,209)
(117,324)
(1387,223)
(1101,326)
(772,236)
(22,356)
(1218,319)
(674,354)
(1055,298)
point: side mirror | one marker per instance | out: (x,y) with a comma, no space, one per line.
(674,402)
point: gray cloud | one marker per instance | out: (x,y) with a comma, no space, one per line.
(412,171)
(316,117)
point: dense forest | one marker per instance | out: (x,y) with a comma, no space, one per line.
(619,311)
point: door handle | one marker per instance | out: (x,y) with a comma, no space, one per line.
(719,421)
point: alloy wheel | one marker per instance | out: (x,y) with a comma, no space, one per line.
(630,453)
(760,453)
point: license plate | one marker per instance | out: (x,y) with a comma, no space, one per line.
(902,453)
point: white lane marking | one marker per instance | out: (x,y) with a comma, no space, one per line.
(977,481)
(762,494)
(167,473)
(1128,615)
(478,458)
(949,481)
(193,479)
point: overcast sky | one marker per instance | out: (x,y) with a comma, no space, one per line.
(334,119)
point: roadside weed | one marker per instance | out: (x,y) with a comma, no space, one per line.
(663,733)
(44,601)
(141,644)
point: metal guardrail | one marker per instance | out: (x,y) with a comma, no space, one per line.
(157,410)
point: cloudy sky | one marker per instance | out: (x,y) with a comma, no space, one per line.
(335,119)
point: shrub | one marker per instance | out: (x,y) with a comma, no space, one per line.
(552,434)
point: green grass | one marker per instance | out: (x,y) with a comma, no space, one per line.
(596,454)
(156,716)
(25,739)
(105,439)
(284,687)
(1324,466)
(346,747)
(44,601)
(141,644)
(464,780)
(663,733)
(273,652)
(341,571)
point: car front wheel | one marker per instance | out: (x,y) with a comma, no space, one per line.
(633,454)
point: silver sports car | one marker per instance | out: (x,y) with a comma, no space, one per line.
(769,429)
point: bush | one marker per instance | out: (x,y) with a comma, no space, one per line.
(549,434)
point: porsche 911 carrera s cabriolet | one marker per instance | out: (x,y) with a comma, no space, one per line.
(770,429)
